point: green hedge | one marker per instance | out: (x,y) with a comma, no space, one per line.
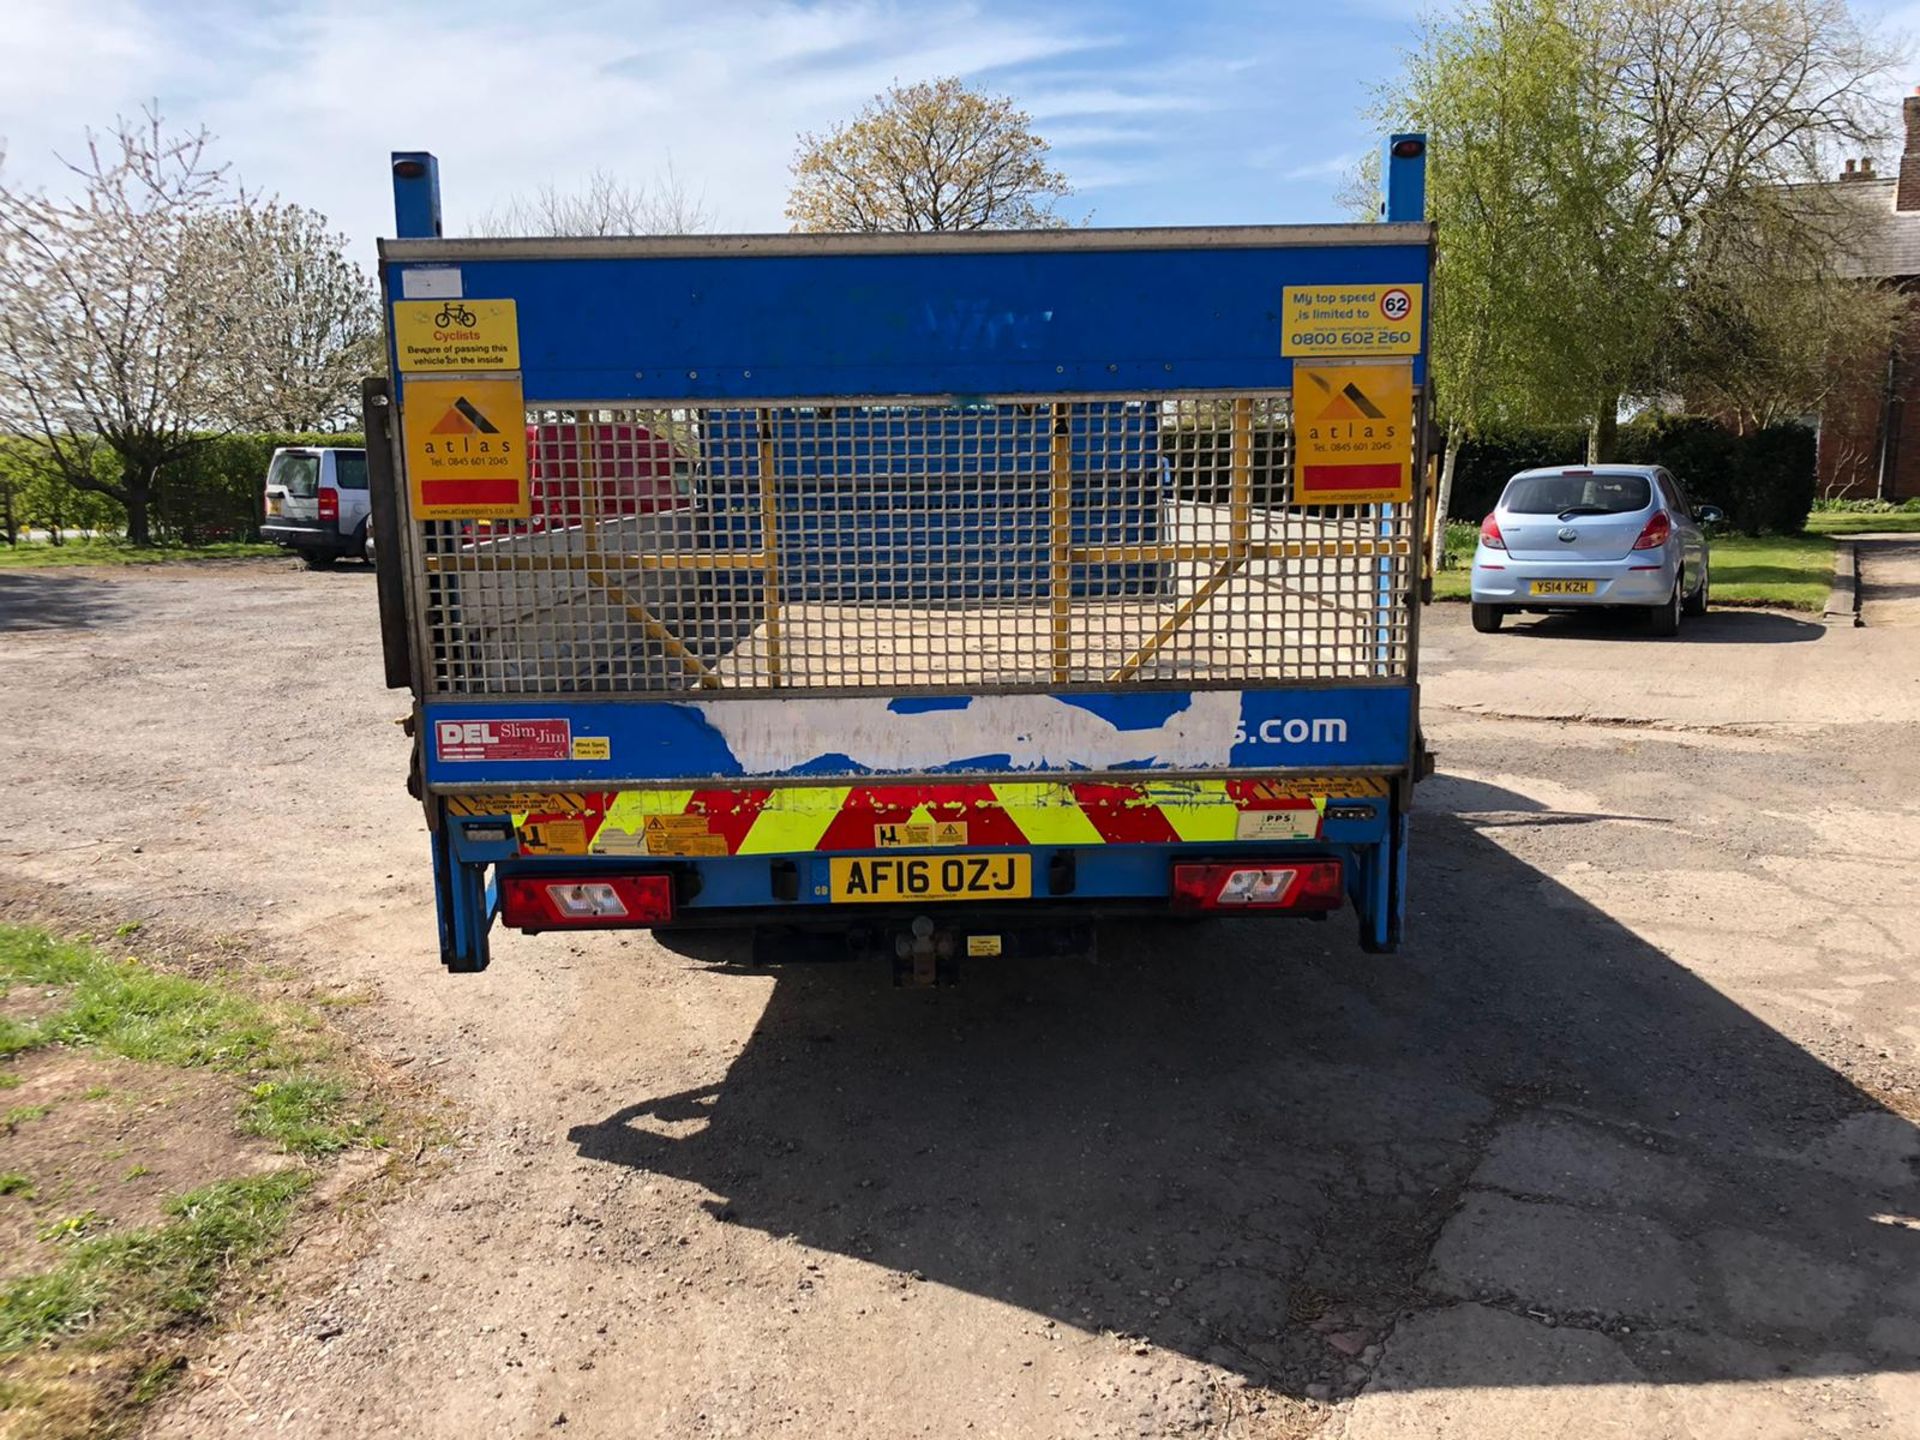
(1764,479)
(212,494)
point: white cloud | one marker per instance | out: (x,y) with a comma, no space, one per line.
(308,98)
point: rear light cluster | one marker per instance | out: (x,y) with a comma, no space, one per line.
(1490,535)
(1656,533)
(329,504)
(1305,886)
(530,902)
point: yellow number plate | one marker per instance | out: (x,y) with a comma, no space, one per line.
(1562,587)
(933,877)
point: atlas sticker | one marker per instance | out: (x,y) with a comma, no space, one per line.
(466,449)
(502,740)
(1353,433)
(1350,320)
(451,335)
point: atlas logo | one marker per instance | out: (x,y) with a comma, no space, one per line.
(1322,730)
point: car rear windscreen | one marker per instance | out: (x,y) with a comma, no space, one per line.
(1589,494)
(298,474)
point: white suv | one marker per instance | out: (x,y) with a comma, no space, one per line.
(316,503)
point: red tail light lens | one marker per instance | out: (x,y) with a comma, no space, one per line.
(1656,533)
(1490,535)
(329,504)
(1303,886)
(576,902)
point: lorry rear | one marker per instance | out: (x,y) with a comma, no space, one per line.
(1004,582)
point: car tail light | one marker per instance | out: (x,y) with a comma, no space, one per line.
(1656,533)
(1490,535)
(544,902)
(1299,885)
(329,504)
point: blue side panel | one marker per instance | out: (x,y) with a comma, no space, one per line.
(809,737)
(1051,322)
(888,504)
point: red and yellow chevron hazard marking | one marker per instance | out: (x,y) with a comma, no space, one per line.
(714,822)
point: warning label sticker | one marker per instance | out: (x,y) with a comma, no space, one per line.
(912,833)
(453,335)
(592,747)
(1353,433)
(554,837)
(502,739)
(466,449)
(1350,320)
(681,835)
(1277,824)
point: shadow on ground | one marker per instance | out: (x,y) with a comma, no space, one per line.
(56,602)
(1720,626)
(1258,1146)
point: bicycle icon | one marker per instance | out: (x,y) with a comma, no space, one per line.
(453,313)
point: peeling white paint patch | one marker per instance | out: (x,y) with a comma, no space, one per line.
(1034,732)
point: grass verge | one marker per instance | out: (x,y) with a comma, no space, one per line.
(127,1009)
(1792,572)
(1849,522)
(39,555)
(101,1312)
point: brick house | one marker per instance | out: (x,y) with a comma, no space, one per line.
(1870,430)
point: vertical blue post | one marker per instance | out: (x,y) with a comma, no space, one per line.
(416,195)
(1405,173)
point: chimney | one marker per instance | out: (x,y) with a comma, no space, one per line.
(1906,195)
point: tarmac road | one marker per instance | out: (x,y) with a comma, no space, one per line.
(1621,1144)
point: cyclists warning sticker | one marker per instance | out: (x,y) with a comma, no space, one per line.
(466,449)
(1352,433)
(456,335)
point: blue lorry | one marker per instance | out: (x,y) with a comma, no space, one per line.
(986,583)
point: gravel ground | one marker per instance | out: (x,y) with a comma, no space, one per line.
(1622,1143)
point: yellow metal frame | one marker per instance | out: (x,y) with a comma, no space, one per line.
(603,567)
(1239,536)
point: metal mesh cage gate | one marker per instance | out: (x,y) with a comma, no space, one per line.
(889,546)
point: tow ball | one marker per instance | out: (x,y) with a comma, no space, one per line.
(924,954)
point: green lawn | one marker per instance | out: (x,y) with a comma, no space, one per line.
(99,1314)
(1793,572)
(1849,522)
(39,555)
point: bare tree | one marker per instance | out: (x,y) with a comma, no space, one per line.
(931,156)
(306,321)
(606,206)
(109,337)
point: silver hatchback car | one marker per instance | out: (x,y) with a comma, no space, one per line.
(1573,537)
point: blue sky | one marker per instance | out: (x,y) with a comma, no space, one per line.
(1160,113)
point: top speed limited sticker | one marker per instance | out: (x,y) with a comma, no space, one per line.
(1350,320)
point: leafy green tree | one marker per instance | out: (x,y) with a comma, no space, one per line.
(932,156)
(1631,202)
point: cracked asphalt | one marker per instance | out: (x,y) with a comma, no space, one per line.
(1622,1142)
